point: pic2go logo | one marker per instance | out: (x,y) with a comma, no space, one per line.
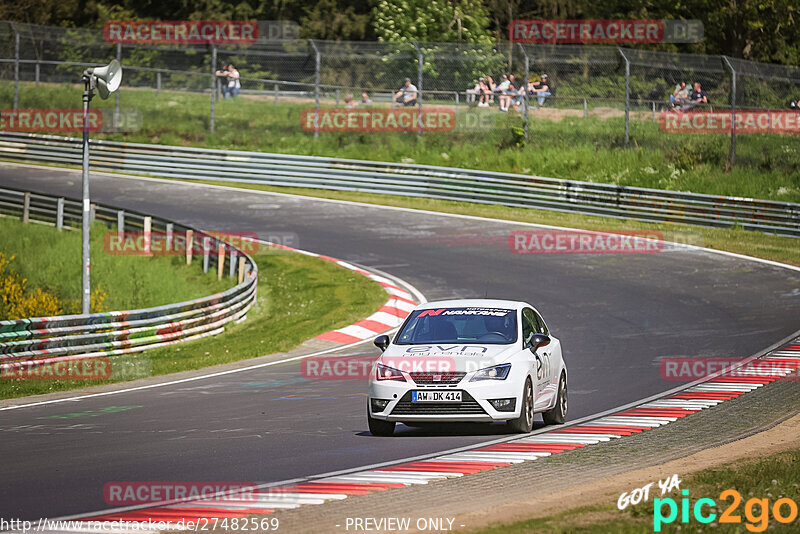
(756,511)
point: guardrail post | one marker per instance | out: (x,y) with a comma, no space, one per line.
(232,263)
(60,214)
(16,65)
(170,227)
(220,259)
(654,112)
(276,94)
(585,109)
(627,95)
(337,96)
(316,87)
(92,212)
(121,224)
(525,86)
(189,246)
(241,270)
(158,83)
(148,226)
(213,85)
(37,74)
(732,156)
(26,207)
(206,253)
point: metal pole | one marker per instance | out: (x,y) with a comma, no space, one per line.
(158,83)
(732,157)
(213,84)
(525,86)
(37,74)
(86,220)
(420,61)
(627,96)
(585,109)
(316,88)
(16,66)
(276,94)
(60,214)
(116,93)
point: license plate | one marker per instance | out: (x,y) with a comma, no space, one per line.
(435,396)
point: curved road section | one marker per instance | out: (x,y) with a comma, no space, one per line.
(617,315)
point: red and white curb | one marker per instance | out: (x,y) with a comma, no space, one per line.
(773,366)
(388,317)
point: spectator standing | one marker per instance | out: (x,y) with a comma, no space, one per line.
(407,95)
(222,76)
(234,85)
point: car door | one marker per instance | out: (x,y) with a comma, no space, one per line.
(550,357)
(530,326)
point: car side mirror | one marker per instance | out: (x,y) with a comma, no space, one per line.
(382,342)
(538,340)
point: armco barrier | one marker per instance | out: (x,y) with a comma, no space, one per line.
(425,181)
(67,337)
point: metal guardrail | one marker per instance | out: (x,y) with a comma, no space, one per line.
(66,337)
(483,187)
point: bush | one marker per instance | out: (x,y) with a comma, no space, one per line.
(17,302)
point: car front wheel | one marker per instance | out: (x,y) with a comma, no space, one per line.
(524,423)
(558,414)
(378,427)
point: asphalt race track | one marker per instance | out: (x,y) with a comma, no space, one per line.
(617,316)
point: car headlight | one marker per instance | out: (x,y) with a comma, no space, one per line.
(498,372)
(384,372)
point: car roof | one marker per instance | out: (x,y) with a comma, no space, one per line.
(475,303)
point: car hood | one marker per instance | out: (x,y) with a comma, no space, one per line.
(445,357)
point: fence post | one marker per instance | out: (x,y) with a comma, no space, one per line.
(148,226)
(158,83)
(213,84)
(26,207)
(585,109)
(241,270)
(627,95)
(420,61)
(276,94)
(337,96)
(654,112)
(60,214)
(121,224)
(232,263)
(117,93)
(732,157)
(316,87)
(525,87)
(189,246)
(170,230)
(206,252)
(37,74)
(16,65)
(220,259)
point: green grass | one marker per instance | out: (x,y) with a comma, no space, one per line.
(737,240)
(768,165)
(771,478)
(51,260)
(299,297)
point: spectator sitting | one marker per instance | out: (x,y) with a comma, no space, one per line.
(222,74)
(365,100)
(680,95)
(516,92)
(407,95)
(698,96)
(348,102)
(543,89)
(503,90)
(475,91)
(234,85)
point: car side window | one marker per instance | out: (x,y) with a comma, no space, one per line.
(529,326)
(541,327)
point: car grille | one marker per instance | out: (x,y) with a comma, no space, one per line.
(437,379)
(467,406)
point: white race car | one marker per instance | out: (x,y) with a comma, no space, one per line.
(468,361)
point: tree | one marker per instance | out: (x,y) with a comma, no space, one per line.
(432,21)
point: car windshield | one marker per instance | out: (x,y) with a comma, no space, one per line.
(458,325)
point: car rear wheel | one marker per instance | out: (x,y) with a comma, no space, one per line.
(378,427)
(524,423)
(558,414)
